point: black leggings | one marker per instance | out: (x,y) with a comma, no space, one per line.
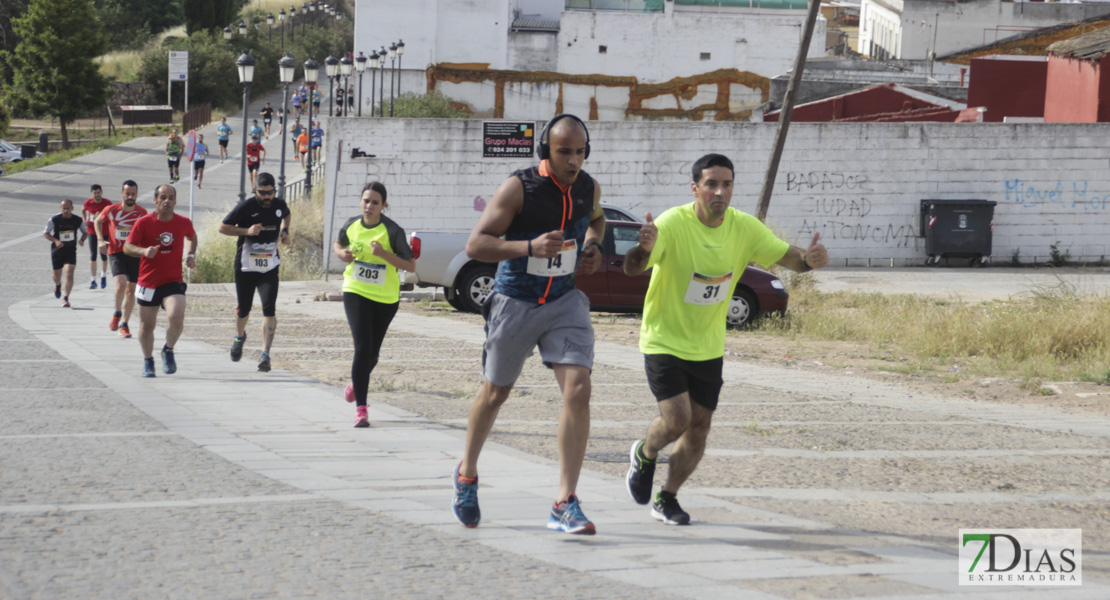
(369,320)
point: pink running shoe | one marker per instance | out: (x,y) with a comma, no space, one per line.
(361,420)
(349,393)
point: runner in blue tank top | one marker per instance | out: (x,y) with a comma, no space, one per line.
(543,224)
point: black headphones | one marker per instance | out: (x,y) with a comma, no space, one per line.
(545,137)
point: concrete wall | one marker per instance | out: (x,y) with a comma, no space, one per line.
(858,184)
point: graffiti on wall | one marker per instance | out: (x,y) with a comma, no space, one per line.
(1076,195)
(835,207)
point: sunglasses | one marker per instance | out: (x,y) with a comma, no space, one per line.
(266,192)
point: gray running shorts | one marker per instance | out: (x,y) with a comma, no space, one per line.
(561,328)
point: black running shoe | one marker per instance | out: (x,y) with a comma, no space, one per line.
(148,367)
(57,291)
(666,509)
(640,474)
(237,347)
(264,363)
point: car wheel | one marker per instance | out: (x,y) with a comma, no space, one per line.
(453,299)
(475,286)
(742,309)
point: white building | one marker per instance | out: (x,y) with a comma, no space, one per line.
(911,29)
(521,58)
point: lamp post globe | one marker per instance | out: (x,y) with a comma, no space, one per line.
(242,28)
(245,64)
(227,38)
(311,74)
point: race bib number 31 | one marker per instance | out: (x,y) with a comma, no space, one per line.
(561,264)
(706,290)
(372,273)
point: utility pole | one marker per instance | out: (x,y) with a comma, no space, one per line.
(787,111)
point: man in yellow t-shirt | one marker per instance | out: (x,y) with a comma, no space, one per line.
(697,253)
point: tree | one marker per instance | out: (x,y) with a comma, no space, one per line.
(52,65)
(207,15)
(131,23)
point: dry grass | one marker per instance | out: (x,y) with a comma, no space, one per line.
(300,260)
(1054,333)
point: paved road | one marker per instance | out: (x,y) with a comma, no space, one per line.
(218,482)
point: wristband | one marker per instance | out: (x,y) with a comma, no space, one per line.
(190,256)
(593,242)
(529,247)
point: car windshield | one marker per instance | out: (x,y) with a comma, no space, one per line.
(4,145)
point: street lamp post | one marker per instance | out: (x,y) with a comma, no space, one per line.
(360,66)
(227,38)
(331,67)
(392,72)
(245,64)
(293,25)
(346,65)
(400,51)
(287,70)
(373,78)
(281,20)
(242,28)
(382,53)
(311,74)
(304,13)
(270,23)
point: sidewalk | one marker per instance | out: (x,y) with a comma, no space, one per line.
(401,467)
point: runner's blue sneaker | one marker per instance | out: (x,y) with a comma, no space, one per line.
(465,504)
(148,367)
(169,366)
(567,516)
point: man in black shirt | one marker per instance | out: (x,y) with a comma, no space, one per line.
(260,222)
(267,117)
(63,230)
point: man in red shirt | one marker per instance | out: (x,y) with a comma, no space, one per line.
(255,155)
(89,212)
(112,228)
(160,239)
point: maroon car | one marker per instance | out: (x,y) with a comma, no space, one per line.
(610,289)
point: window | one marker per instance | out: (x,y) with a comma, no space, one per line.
(602,49)
(705,56)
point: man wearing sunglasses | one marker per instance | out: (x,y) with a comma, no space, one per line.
(260,222)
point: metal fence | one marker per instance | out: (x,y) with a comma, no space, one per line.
(196,118)
(616,5)
(296,189)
